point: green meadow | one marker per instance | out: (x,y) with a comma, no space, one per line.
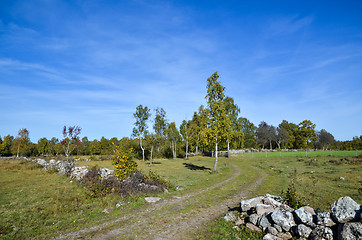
(38,204)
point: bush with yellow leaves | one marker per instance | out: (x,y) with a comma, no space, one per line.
(124,163)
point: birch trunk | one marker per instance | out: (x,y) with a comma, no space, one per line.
(17,153)
(228,148)
(187,147)
(151,156)
(215,164)
(143,150)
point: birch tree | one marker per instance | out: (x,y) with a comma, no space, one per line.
(142,114)
(232,111)
(173,136)
(218,122)
(21,142)
(71,139)
(186,133)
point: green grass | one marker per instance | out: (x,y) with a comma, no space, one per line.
(42,204)
(220,230)
(317,181)
(302,153)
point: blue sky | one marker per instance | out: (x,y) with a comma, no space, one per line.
(91,63)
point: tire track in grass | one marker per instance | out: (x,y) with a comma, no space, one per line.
(166,219)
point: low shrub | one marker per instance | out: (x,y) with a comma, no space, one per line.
(137,183)
(291,197)
(124,163)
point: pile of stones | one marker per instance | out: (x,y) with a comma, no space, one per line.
(279,221)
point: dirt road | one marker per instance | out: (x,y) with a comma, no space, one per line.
(174,217)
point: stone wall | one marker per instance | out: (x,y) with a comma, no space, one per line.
(279,221)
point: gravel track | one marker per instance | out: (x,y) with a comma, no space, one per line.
(168,218)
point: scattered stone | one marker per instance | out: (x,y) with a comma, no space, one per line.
(236,227)
(253,227)
(344,209)
(108,210)
(350,231)
(178,188)
(271,237)
(230,217)
(312,172)
(283,219)
(342,178)
(152,199)
(321,233)
(120,204)
(15,228)
(303,231)
(239,222)
(325,219)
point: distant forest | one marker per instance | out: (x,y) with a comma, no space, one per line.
(247,136)
(216,126)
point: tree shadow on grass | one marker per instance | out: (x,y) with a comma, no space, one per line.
(195,167)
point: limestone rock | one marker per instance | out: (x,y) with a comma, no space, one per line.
(278,228)
(261,209)
(350,231)
(264,222)
(321,233)
(272,200)
(42,162)
(283,219)
(230,217)
(285,235)
(253,227)
(248,204)
(239,222)
(79,172)
(65,168)
(325,219)
(253,218)
(303,231)
(106,173)
(271,237)
(152,199)
(272,230)
(302,215)
(344,209)
(108,210)
(121,203)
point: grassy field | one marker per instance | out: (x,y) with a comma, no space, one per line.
(317,182)
(303,154)
(37,204)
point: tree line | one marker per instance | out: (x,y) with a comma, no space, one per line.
(216,126)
